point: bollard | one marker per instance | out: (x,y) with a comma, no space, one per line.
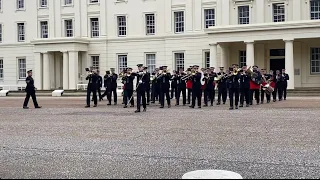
(211,174)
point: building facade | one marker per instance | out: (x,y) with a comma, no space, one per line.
(58,39)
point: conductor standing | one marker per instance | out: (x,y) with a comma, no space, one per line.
(93,81)
(31,91)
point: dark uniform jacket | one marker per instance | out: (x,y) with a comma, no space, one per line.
(234,81)
(286,78)
(142,80)
(165,81)
(128,82)
(245,81)
(181,83)
(107,81)
(148,81)
(30,85)
(114,79)
(93,81)
(99,81)
(223,82)
(279,79)
(196,81)
(210,81)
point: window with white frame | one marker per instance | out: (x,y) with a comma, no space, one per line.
(43,3)
(1,68)
(22,68)
(95,32)
(207,59)
(122,62)
(244,14)
(315,9)
(0,33)
(21,32)
(20,4)
(150,24)
(94,1)
(151,62)
(44,29)
(67,2)
(279,12)
(242,58)
(209,19)
(315,61)
(179,60)
(179,22)
(95,61)
(68,24)
(122,26)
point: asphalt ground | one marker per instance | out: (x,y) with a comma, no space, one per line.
(65,140)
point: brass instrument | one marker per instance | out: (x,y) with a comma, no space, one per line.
(220,77)
(188,75)
(236,71)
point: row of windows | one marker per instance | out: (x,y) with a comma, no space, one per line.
(179,62)
(20,4)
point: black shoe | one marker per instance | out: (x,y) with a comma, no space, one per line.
(206,105)
(161,107)
(211,105)
(38,107)
(274,100)
(280,99)
(258,103)
(153,102)
(109,104)
(169,106)
(224,102)
(231,108)
(91,99)
(147,104)
(285,99)
(191,106)
(125,106)
(184,104)
(262,102)
(241,105)
(176,105)
(95,105)
(137,111)
(87,106)
(268,102)
(132,106)
(247,105)
(144,110)
(250,104)
(218,104)
(123,103)
(237,107)
(199,107)
(115,103)
(25,107)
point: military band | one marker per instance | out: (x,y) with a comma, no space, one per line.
(243,85)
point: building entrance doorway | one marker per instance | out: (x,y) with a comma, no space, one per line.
(277,64)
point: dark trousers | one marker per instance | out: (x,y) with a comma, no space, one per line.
(208,96)
(115,96)
(141,96)
(285,87)
(34,99)
(278,90)
(234,93)
(222,92)
(154,93)
(178,94)
(148,95)
(99,93)
(264,93)
(189,95)
(245,95)
(164,93)
(173,92)
(196,94)
(127,94)
(256,93)
(94,92)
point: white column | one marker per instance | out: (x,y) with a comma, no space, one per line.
(289,62)
(46,72)
(224,56)
(57,68)
(38,71)
(250,53)
(213,55)
(73,69)
(65,70)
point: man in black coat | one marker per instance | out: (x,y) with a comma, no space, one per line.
(209,87)
(107,85)
(31,91)
(222,87)
(141,88)
(234,85)
(113,87)
(174,85)
(93,81)
(155,86)
(99,85)
(279,86)
(127,81)
(245,87)
(286,78)
(148,86)
(196,87)
(181,88)
(164,81)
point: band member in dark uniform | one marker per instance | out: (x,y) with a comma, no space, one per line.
(113,87)
(148,86)
(173,85)
(279,85)
(189,85)
(107,85)
(245,87)
(273,84)
(222,87)
(255,85)
(99,86)
(31,91)
(127,80)
(154,86)
(93,81)
(209,88)
(164,79)
(181,88)
(141,88)
(196,87)
(214,74)
(233,85)
(265,81)
(285,83)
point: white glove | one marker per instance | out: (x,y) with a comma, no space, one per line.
(140,81)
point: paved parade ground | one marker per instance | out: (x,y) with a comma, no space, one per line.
(65,140)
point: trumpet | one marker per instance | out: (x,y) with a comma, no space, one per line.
(222,76)
(236,71)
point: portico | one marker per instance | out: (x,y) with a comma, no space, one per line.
(258,40)
(60,63)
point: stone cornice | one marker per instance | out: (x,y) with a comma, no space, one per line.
(263,27)
(60,41)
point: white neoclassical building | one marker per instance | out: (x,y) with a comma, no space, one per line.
(58,39)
